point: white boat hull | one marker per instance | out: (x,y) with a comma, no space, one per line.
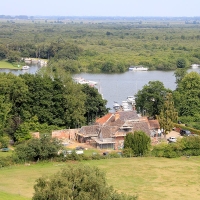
(138,68)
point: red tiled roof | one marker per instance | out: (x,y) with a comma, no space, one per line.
(104,119)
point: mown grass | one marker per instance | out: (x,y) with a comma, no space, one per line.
(7,65)
(5,154)
(149,178)
(7,196)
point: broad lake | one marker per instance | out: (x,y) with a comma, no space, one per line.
(116,87)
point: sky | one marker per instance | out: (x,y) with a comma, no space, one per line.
(125,8)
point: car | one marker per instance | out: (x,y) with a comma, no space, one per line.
(171,139)
(184,132)
(79,152)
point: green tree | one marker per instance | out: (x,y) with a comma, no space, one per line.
(4,141)
(95,105)
(150,99)
(187,95)
(77,182)
(138,141)
(22,133)
(181,63)
(179,74)
(5,108)
(35,149)
(168,115)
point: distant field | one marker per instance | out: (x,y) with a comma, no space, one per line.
(149,178)
(7,65)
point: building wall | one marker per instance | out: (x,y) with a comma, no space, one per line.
(119,142)
(69,134)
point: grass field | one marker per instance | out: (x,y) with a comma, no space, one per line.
(149,178)
(7,65)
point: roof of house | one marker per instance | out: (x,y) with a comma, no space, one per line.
(89,131)
(136,125)
(115,125)
(128,115)
(104,119)
(154,124)
(118,118)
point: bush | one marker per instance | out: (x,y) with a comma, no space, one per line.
(77,182)
(128,152)
(6,161)
(38,149)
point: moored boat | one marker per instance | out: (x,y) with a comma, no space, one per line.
(138,68)
(25,67)
(116,106)
(125,106)
(195,66)
(131,100)
(83,81)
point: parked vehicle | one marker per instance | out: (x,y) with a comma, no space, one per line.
(5,149)
(185,132)
(171,139)
(79,152)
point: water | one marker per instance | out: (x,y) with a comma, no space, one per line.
(116,87)
(32,70)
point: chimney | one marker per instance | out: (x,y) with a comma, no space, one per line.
(116,116)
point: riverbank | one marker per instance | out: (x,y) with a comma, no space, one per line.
(26,61)
(7,65)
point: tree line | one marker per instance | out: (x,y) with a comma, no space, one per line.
(42,103)
(102,47)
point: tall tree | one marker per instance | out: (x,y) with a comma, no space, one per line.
(138,141)
(187,95)
(179,74)
(95,105)
(5,108)
(168,115)
(150,99)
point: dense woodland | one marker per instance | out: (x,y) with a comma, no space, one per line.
(43,103)
(95,46)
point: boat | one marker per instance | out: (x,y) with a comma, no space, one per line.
(131,100)
(138,68)
(125,106)
(25,67)
(195,66)
(116,106)
(81,80)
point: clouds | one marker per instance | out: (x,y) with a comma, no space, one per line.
(101,7)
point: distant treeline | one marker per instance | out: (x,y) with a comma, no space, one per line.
(98,47)
(112,18)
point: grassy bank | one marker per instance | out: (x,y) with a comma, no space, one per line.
(149,178)
(7,65)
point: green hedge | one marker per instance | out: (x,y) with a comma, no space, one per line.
(181,126)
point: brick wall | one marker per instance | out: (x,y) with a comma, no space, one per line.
(69,134)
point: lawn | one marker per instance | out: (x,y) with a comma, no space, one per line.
(149,178)
(5,154)
(7,65)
